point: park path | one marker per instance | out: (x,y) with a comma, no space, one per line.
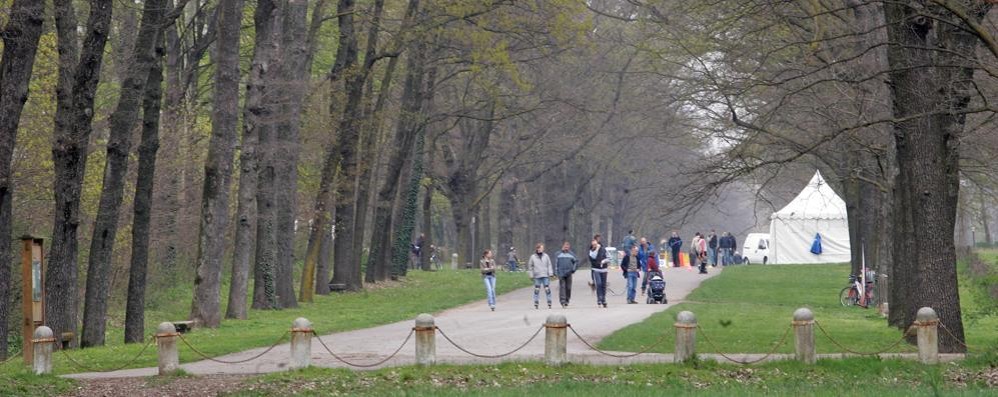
(474,327)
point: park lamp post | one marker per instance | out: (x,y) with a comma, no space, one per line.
(973,236)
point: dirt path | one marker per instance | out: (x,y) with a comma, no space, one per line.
(472,326)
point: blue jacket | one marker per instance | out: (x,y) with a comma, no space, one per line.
(565,264)
(629,241)
(675,243)
(643,255)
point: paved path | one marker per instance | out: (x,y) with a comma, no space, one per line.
(476,328)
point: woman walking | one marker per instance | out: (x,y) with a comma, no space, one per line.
(540,270)
(488,267)
(599,263)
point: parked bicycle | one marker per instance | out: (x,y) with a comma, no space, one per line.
(857,294)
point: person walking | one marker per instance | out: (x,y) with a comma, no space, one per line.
(675,246)
(599,263)
(539,269)
(629,241)
(565,266)
(488,268)
(712,248)
(728,245)
(512,260)
(731,251)
(629,265)
(700,251)
(644,252)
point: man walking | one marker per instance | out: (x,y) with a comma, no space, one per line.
(540,270)
(511,259)
(644,252)
(675,246)
(565,266)
(712,248)
(631,273)
(629,241)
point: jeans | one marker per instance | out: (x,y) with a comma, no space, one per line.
(512,266)
(538,283)
(712,256)
(644,281)
(632,283)
(565,289)
(490,289)
(729,259)
(600,279)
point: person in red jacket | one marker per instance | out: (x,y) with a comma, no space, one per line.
(653,263)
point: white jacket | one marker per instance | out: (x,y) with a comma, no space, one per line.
(538,267)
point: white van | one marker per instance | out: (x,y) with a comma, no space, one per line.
(756,248)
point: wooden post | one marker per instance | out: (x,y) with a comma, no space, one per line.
(927,325)
(556,340)
(882,295)
(166,342)
(32,292)
(42,344)
(426,340)
(301,343)
(804,336)
(686,336)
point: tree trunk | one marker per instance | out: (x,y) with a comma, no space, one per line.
(507,202)
(205,308)
(119,148)
(168,211)
(20,43)
(78,78)
(293,82)
(929,95)
(261,112)
(323,267)
(142,204)
(427,213)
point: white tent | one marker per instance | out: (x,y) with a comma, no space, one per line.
(816,210)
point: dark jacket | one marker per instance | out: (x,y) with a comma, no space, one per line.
(629,264)
(598,262)
(565,264)
(675,244)
(712,243)
(727,242)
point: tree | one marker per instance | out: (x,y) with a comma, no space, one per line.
(119,148)
(142,204)
(205,308)
(79,73)
(20,43)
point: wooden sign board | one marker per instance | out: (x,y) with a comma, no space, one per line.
(33,292)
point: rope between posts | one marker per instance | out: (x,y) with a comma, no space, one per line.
(779,343)
(213,359)
(951,335)
(605,353)
(877,353)
(126,365)
(442,333)
(10,357)
(352,364)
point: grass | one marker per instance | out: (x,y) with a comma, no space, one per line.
(420,292)
(748,308)
(827,378)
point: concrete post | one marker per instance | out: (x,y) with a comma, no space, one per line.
(804,336)
(166,346)
(686,336)
(453,261)
(301,343)
(927,325)
(556,340)
(426,340)
(42,343)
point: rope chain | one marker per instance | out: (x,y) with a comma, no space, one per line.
(951,335)
(605,353)
(80,365)
(442,333)
(11,357)
(877,353)
(746,362)
(209,358)
(372,365)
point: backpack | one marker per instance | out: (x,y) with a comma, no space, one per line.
(816,245)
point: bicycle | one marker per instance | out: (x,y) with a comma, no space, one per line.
(850,295)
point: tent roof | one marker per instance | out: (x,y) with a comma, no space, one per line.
(816,201)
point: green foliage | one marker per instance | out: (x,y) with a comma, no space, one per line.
(748,308)
(420,292)
(20,381)
(827,378)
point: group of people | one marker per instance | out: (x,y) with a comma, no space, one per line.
(640,259)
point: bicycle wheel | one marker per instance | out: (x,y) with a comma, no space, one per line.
(847,297)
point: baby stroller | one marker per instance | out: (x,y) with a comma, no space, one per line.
(656,289)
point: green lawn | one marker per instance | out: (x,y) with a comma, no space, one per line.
(748,308)
(828,378)
(420,292)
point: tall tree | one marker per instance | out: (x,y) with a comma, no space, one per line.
(206,308)
(79,73)
(20,43)
(931,91)
(142,204)
(119,148)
